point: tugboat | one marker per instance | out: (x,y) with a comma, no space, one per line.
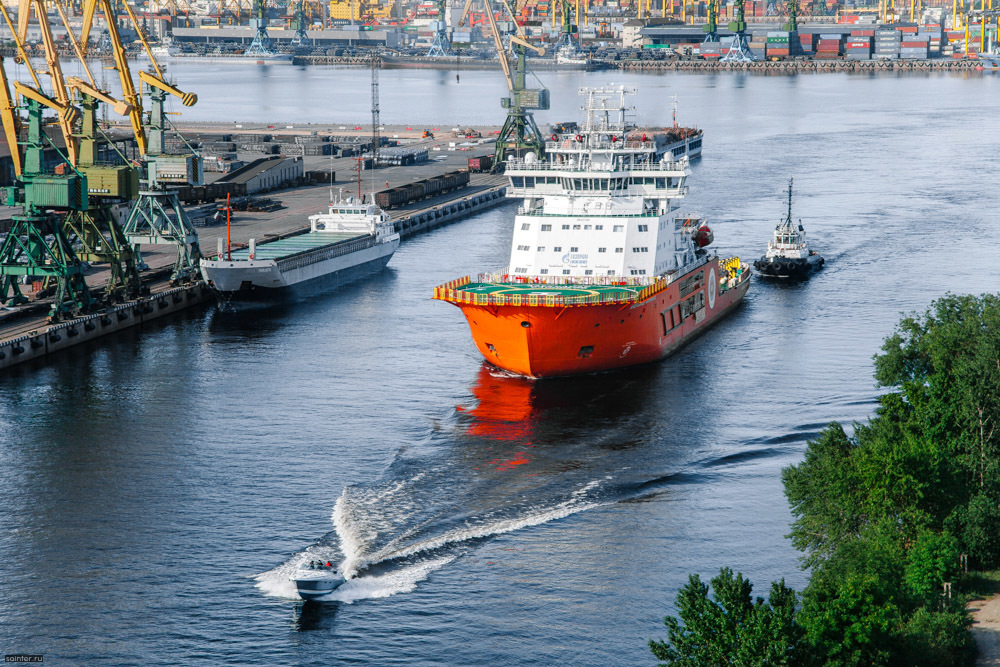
(316,578)
(788,255)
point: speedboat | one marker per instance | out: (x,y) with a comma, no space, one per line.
(788,254)
(316,578)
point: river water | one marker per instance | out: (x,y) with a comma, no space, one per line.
(155,489)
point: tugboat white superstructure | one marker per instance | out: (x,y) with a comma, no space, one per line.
(352,239)
(602,274)
(788,254)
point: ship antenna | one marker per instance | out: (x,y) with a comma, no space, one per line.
(789,218)
(675,111)
(331,180)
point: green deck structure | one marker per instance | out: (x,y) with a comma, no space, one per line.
(296,244)
(621,291)
(559,293)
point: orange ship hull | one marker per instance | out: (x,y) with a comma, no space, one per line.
(541,341)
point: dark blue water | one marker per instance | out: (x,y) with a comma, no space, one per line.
(155,490)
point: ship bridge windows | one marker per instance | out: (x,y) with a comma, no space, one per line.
(517,181)
(546,228)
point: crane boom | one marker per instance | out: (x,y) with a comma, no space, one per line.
(20,46)
(11,121)
(187,99)
(121,108)
(501,51)
(129,93)
(67,113)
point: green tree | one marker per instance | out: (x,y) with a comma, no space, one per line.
(730,628)
(855,601)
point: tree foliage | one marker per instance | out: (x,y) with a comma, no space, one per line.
(730,627)
(880,515)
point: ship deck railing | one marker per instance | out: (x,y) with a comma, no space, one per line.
(601,167)
(545,291)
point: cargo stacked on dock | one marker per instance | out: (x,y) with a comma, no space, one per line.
(914,47)
(887,43)
(828,45)
(429,187)
(777,44)
(806,41)
(859,45)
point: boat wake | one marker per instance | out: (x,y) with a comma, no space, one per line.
(386,540)
(516,458)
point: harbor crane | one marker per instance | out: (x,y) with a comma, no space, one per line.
(156,216)
(567,28)
(519,134)
(301,37)
(739,50)
(711,26)
(440,46)
(36,246)
(261,44)
(89,228)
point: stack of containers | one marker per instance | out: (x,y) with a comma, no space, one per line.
(777,44)
(758,43)
(887,44)
(953,44)
(806,41)
(828,45)
(934,32)
(710,50)
(914,47)
(859,45)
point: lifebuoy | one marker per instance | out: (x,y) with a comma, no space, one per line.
(579,137)
(555,137)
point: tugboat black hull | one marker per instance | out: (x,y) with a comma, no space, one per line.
(787,269)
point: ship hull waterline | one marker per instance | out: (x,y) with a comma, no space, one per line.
(261,281)
(541,342)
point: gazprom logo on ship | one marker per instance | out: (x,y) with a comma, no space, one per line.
(575,258)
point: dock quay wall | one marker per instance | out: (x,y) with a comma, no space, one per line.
(448,212)
(800,66)
(48,339)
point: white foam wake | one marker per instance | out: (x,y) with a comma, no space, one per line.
(353,538)
(277,583)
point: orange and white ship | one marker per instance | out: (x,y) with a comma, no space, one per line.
(603,274)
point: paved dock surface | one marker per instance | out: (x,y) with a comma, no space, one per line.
(297,205)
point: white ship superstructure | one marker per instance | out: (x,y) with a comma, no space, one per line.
(601,204)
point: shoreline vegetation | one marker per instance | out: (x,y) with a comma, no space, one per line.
(898,523)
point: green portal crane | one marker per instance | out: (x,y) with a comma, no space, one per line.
(739,50)
(793,17)
(567,29)
(519,134)
(440,46)
(36,245)
(711,27)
